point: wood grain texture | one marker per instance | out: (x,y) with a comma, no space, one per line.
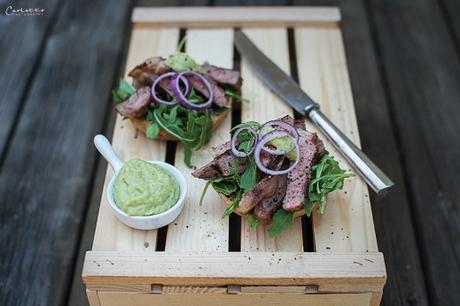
(405,284)
(420,66)
(128,143)
(93,299)
(347,223)
(202,228)
(21,50)
(396,238)
(263,106)
(234,17)
(338,272)
(122,299)
(46,174)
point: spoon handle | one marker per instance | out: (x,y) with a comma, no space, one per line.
(105,148)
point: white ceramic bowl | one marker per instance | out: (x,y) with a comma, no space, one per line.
(141,222)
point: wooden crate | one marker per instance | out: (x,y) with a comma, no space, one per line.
(196,267)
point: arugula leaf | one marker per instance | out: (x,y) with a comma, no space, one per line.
(282,220)
(327,176)
(236,201)
(122,92)
(152,130)
(205,189)
(192,128)
(226,187)
(254,124)
(253,222)
(231,93)
(249,177)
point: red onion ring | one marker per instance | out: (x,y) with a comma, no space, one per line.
(157,99)
(234,139)
(181,97)
(260,146)
(287,127)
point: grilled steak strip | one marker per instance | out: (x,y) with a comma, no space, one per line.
(263,189)
(145,73)
(265,209)
(223,75)
(219,167)
(299,177)
(219,98)
(136,105)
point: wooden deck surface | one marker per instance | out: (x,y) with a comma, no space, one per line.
(57,73)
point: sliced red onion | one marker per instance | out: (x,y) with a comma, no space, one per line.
(153,92)
(287,127)
(235,151)
(261,146)
(181,97)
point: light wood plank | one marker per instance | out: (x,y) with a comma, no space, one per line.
(338,272)
(264,106)
(129,143)
(123,299)
(92,298)
(235,16)
(347,224)
(202,228)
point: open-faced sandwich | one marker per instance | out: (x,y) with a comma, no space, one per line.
(177,99)
(273,173)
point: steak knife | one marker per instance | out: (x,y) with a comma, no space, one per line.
(291,93)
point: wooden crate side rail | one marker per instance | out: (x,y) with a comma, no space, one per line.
(235,16)
(331,272)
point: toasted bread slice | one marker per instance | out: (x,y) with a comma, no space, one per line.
(142,124)
(228,202)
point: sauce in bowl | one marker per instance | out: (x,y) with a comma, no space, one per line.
(145,189)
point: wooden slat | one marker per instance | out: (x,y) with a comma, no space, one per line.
(64,84)
(92,298)
(347,224)
(24,39)
(126,298)
(264,106)
(235,17)
(421,67)
(129,143)
(202,228)
(338,272)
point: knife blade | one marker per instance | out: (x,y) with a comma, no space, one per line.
(291,93)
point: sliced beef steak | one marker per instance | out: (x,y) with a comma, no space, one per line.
(263,189)
(223,75)
(219,98)
(220,166)
(137,104)
(299,177)
(265,209)
(145,73)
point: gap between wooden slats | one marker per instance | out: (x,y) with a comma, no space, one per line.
(264,106)
(111,234)
(202,228)
(347,224)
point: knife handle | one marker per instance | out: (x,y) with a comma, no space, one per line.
(372,174)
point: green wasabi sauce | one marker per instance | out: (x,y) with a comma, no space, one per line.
(144,189)
(180,61)
(282,143)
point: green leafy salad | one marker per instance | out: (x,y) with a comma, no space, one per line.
(178,97)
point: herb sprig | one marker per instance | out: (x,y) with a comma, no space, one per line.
(327,176)
(122,92)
